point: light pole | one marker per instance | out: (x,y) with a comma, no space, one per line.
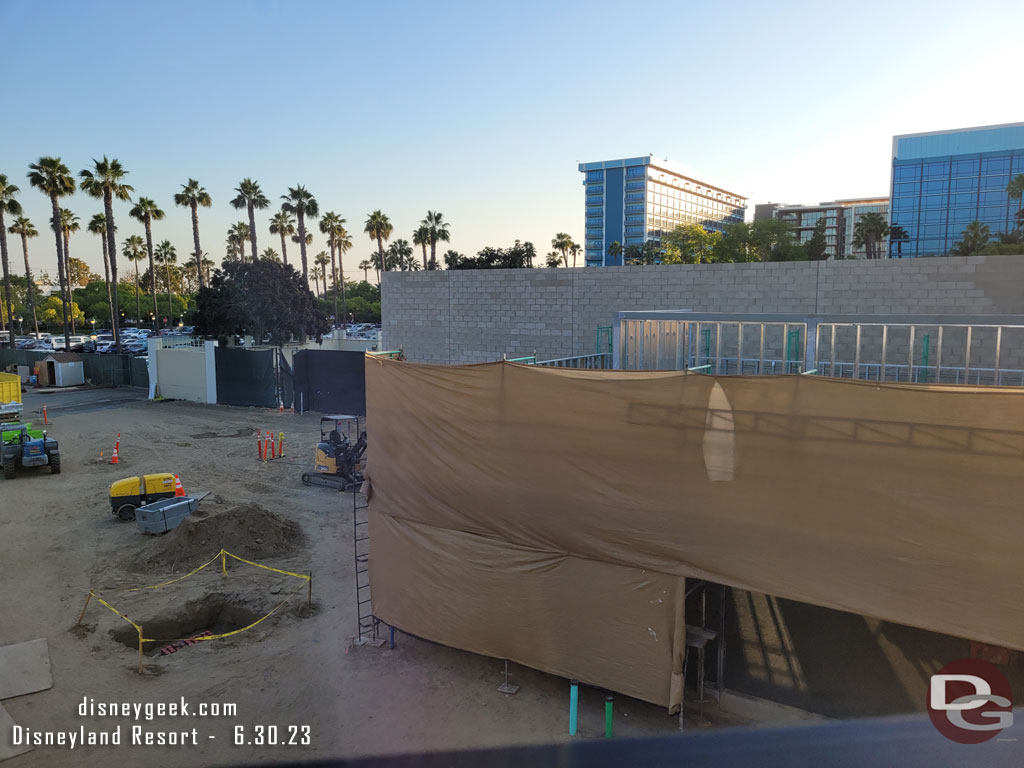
(21,325)
(93,322)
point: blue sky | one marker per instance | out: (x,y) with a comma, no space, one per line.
(482,110)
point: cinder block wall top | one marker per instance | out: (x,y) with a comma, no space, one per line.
(471,316)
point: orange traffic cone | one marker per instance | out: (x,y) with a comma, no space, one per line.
(115,459)
(179,490)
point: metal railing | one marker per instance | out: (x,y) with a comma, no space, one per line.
(598,361)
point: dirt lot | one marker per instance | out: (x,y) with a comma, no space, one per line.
(58,539)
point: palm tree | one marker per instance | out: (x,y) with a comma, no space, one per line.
(250,197)
(366,266)
(400,255)
(270,254)
(562,243)
(338,238)
(22,226)
(378,227)
(281,223)
(98,226)
(575,250)
(167,257)
(554,259)
(51,177)
(68,224)
(192,196)
(238,233)
(898,234)
(1015,191)
(147,211)
(972,239)
(8,205)
(869,232)
(301,203)
(438,227)
(106,181)
(421,237)
(615,249)
(343,242)
(322,260)
(134,249)
(205,265)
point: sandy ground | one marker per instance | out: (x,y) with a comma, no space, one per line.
(58,539)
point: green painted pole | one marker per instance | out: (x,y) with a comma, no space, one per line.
(924,358)
(608,715)
(574,700)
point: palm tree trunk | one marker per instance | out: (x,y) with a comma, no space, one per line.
(168,269)
(302,249)
(380,253)
(115,315)
(138,305)
(152,266)
(433,255)
(67,273)
(344,308)
(30,285)
(7,276)
(195,241)
(60,267)
(284,249)
(377,270)
(106,276)
(252,230)
(334,278)
(426,264)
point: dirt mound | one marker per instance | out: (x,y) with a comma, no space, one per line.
(246,530)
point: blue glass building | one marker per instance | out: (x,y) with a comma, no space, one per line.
(943,180)
(638,199)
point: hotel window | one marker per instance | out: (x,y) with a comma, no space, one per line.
(595,175)
(965,168)
(635,171)
(906,172)
(995,165)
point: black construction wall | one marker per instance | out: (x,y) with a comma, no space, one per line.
(246,377)
(330,381)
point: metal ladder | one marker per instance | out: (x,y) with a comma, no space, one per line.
(368,624)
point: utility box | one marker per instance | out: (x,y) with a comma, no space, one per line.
(165,515)
(63,369)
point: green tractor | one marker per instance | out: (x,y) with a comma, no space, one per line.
(22,446)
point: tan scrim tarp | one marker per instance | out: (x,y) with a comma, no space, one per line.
(549,516)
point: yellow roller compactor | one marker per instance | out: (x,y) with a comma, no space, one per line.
(132,492)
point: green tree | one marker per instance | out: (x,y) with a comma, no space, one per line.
(1015,191)
(270,253)
(301,203)
(553,259)
(615,249)
(451,257)
(321,260)
(438,232)
(98,226)
(238,236)
(51,177)
(690,244)
(22,226)
(898,235)
(250,197)
(106,181)
(192,196)
(562,243)
(575,250)
(147,211)
(421,237)
(333,226)
(974,237)
(259,298)
(281,223)
(400,253)
(378,227)
(8,205)
(817,246)
(68,224)
(366,265)
(772,240)
(79,273)
(869,232)
(134,249)
(166,256)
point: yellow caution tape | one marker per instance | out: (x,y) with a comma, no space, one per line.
(137,627)
(303,576)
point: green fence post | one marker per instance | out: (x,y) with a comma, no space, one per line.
(924,358)
(608,715)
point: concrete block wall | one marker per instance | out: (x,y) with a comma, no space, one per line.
(467,316)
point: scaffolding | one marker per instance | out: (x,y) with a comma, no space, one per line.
(948,349)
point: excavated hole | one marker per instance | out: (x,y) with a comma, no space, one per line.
(216,612)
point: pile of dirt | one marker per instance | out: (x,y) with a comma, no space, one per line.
(246,530)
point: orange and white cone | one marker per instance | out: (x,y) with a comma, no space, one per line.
(179,489)
(115,459)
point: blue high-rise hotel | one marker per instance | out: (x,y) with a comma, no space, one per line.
(943,180)
(637,199)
